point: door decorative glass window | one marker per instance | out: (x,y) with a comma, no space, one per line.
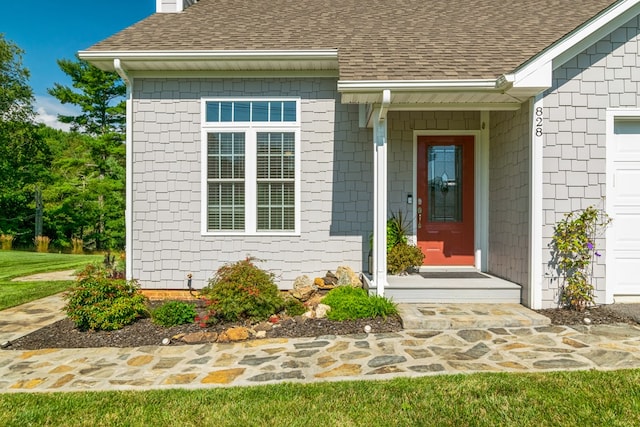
(444,183)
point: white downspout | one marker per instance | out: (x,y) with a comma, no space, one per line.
(128,214)
(380,194)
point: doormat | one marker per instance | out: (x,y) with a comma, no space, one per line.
(453,275)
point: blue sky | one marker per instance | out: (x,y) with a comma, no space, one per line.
(48,30)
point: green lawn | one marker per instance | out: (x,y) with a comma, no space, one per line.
(587,398)
(18,264)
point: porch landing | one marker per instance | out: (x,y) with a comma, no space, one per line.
(453,285)
(439,317)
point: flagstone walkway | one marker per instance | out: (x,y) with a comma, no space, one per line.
(409,353)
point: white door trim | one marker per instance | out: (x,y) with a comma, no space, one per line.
(481,183)
(611,279)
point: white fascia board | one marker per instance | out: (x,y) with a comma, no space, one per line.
(416,85)
(537,72)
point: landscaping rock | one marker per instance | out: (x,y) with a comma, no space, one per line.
(331,277)
(321,284)
(198,337)
(263,326)
(314,301)
(326,286)
(329,281)
(302,282)
(348,277)
(303,293)
(234,334)
(321,311)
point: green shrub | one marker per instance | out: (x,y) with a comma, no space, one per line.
(173,313)
(242,291)
(293,307)
(100,303)
(349,303)
(403,257)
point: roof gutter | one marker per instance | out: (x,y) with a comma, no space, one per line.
(219,55)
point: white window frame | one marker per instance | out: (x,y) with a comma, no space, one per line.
(251,130)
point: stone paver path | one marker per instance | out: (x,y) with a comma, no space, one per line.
(50,276)
(468,338)
(327,358)
(16,322)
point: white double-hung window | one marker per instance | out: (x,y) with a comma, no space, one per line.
(251,166)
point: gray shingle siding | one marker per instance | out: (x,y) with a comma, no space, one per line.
(509,196)
(606,75)
(336,184)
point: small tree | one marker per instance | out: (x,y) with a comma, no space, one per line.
(100,95)
(574,251)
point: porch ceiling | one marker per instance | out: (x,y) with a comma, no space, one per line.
(489,94)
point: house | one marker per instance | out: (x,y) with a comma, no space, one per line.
(290,130)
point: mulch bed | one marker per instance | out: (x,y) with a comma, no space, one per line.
(63,334)
(599,315)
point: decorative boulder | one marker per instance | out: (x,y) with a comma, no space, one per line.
(234,334)
(198,337)
(303,294)
(303,288)
(302,282)
(347,277)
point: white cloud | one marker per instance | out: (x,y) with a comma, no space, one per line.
(47,109)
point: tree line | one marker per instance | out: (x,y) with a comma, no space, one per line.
(65,187)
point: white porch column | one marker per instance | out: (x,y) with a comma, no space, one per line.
(536,143)
(380,194)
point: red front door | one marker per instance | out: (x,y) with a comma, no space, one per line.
(445,202)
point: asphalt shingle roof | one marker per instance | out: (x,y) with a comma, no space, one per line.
(376,39)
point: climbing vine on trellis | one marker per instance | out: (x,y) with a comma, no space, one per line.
(574,244)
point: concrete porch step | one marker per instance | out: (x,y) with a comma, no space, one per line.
(428,316)
(486,289)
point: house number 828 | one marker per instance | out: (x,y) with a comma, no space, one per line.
(538,121)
